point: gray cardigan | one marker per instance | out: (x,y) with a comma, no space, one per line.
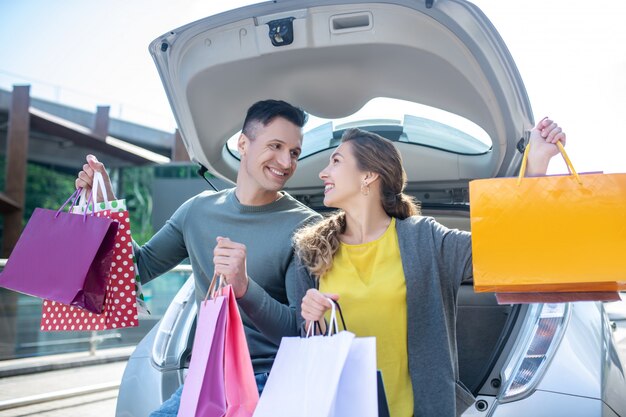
(435,261)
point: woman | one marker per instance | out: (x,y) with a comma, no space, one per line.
(395,272)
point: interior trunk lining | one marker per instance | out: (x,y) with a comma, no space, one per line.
(481,326)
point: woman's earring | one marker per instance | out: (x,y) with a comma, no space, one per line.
(365,188)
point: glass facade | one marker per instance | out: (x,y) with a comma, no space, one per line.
(21,335)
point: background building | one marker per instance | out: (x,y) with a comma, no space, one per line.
(42,147)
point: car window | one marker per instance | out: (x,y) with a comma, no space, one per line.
(423,131)
(397,120)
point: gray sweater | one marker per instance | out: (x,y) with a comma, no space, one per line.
(268,307)
(435,261)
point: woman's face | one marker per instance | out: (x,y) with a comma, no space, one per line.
(342,179)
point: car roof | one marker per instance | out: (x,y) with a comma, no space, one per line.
(443,54)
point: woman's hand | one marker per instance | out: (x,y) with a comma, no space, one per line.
(315,304)
(85,178)
(543,139)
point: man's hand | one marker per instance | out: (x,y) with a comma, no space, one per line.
(229,259)
(85,178)
(543,139)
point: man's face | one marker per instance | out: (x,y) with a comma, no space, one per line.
(269,158)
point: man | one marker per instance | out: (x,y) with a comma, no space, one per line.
(243,233)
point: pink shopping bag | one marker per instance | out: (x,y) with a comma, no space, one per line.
(203,392)
(242,394)
(220,381)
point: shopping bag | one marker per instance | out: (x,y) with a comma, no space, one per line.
(203,392)
(555,297)
(549,234)
(383,406)
(220,381)
(64,257)
(357,390)
(241,391)
(121,301)
(331,375)
(117,206)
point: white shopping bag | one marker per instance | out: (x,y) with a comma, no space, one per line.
(322,376)
(357,391)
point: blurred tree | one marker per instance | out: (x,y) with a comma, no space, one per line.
(47,187)
(137,190)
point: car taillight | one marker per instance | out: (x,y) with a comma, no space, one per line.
(163,354)
(541,337)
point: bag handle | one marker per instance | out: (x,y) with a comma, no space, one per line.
(332,324)
(217,283)
(568,162)
(98,183)
(75,196)
(343,322)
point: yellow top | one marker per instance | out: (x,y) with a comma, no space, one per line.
(370,282)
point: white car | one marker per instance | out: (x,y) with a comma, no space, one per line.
(434,77)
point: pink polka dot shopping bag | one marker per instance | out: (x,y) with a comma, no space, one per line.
(120,305)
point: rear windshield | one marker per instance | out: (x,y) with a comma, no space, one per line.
(397,120)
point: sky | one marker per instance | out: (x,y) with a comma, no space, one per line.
(571,55)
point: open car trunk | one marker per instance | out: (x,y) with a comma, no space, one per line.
(333,58)
(482,329)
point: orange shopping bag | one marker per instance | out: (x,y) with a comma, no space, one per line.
(549,234)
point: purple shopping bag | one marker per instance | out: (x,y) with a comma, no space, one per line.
(63,257)
(204,391)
